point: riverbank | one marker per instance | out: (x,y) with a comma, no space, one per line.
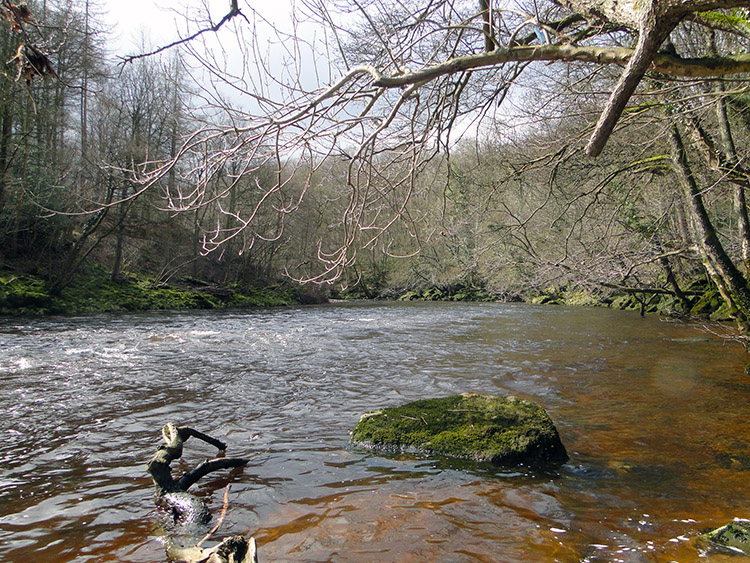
(700,299)
(93,291)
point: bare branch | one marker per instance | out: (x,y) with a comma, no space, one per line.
(404,84)
(234,11)
(663,63)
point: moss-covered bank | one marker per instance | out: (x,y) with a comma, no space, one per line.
(499,430)
(702,298)
(450,293)
(93,292)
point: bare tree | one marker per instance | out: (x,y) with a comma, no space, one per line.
(405,79)
(381,94)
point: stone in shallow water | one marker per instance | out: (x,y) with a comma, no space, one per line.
(485,428)
(734,537)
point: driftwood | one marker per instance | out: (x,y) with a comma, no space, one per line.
(187,515)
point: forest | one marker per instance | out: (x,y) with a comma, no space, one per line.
(446,155)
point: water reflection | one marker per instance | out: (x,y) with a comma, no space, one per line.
(652,414)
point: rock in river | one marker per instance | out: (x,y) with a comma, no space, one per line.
(732,538)
(499,430)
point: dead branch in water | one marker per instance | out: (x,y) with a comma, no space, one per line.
(186,509)
(224,507)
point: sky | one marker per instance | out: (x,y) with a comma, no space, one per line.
(163,21)
(155,23)
(160,20)
(128,18)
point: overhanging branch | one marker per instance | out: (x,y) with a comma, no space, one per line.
(234,10)
(664,63)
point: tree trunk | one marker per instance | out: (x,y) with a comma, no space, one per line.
(6,131)
(120,238)
(672,281)
(730,281)
(732,161)
(85,82)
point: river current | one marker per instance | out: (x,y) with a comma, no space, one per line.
(653,413)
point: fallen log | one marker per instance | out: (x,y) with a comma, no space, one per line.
(186,515)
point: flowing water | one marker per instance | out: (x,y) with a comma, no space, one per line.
(654,415)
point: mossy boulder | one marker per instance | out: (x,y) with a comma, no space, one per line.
(708,303)
(732,538)
(484,428)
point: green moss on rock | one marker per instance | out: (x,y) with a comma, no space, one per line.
(455,292)
(733,538)
(544,299)
(582,297)
(22,292)
(499,430)
(709,302)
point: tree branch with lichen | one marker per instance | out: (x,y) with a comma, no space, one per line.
(663,63)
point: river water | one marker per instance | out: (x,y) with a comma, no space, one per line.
(654,415)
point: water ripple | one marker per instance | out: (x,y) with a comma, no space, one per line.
(83,400)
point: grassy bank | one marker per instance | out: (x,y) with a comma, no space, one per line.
(93,292)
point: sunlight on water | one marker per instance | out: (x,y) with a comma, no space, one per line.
(653,414)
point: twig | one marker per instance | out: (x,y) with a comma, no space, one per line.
(221,516)
(234,11)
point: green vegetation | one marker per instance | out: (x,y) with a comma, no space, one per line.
(457,292)
(732,538)
(704,300)
(94,292)
(500,430)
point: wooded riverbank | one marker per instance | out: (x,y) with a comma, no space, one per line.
(701,299)
(93,291)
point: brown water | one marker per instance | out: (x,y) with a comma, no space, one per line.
(654,415)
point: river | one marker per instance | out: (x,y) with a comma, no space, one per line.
(654,415)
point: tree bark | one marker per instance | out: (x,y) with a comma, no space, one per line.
(654,26)
(732,162)
(6,133)
(627,12)
(723,158)
(728,278)
(485,7)
(672,281)
(654,20)
(85,64)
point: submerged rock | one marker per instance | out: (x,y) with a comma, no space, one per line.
(485,428)
(733,538)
